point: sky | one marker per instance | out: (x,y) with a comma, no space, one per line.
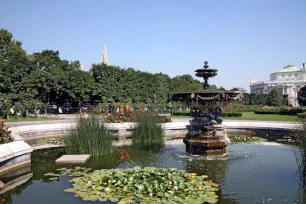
(240,38)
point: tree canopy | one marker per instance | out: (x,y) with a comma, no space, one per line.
(46,77)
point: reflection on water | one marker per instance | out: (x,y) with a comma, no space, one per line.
(251,173)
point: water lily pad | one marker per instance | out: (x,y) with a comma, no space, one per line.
(140,185)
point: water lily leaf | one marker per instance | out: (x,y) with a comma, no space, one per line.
(70,190)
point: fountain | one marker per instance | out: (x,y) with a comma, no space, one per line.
(206,134)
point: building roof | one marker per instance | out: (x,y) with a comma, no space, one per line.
(289,68)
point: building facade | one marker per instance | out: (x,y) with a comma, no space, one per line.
(288,81)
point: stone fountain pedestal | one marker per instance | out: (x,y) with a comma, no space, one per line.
(205,134)
(206,140)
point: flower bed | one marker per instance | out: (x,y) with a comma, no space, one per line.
(137,185)
(132,117)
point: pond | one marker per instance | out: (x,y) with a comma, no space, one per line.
(251,173)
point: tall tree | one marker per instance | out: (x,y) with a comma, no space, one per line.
(302,96)
(15,65)
(274,98)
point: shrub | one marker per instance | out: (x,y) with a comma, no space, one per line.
(268,111)
(241,108)
(148,132)
(181,114)
(290,111)
(88,137)
(225,114)
(5,135)
(132,117)
(232,114)
(301,115)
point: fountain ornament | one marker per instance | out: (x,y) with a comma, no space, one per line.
(206,134)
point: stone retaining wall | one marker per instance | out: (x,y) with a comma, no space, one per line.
(14,154)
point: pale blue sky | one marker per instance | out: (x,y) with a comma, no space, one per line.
(241,38)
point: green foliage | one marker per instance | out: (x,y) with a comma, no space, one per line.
(254,99)
(245,139)
(224,114)
(5,135)
(133,117)
(280,111)
(138,87)
(45,77)
(148,131)
(89,137)
(231,114)
(302,96)
(241,108)
(274,98)
(301,115)
(137,185)
(290,111)
(246,99)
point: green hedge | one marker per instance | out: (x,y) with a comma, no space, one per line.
(281,111)
(181,114)
(266,112)
(234,114)
(301,115)
(225,114)
(290,111)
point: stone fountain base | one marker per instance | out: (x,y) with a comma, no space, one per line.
(208,140)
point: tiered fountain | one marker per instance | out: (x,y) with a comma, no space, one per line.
(205,134)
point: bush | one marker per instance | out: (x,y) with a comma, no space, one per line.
(267,112)
(148,132)
(132,117)
(232,114)
(241,108)
(89,137)
(301,115)
(5,135)
(290,111)
(281,111)
(225,114)
(181,114)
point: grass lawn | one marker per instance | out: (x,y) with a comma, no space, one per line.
(253,116)
(23,119)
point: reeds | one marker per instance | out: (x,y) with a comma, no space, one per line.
(299,136)
(148,132)
(88,137)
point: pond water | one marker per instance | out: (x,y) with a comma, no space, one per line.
(251,173)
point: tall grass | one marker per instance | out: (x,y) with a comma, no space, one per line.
(299,136)
(148,132)
(88,137)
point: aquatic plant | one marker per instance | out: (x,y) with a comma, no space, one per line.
(245,139)
(148,132)
(55,141)
(299,136)
(140,185)
(88,137)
